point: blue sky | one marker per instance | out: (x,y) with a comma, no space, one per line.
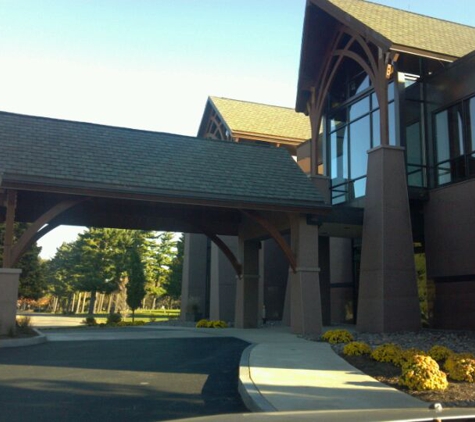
(151,64)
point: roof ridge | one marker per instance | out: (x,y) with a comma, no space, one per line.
(80,122)
(252,102)
(128,129)
(415,13)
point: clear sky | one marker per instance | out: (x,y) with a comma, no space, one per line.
(151,64)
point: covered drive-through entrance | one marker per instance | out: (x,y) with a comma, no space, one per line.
(55,172)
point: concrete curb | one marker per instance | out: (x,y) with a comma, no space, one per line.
(21,342)
(250,394)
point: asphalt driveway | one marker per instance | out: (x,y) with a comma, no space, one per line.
(120,380)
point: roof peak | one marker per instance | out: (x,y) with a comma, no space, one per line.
(251,102)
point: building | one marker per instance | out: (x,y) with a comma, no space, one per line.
(392,94)
(390,97)
(209,283)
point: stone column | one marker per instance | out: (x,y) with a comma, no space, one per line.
(9,280)
(247,287)
(305,306)
(388,298)
(193,292)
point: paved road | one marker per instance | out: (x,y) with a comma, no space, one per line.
(120,380)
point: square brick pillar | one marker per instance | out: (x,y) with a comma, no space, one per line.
(388,297)
(9,280)
(247,286)
(305,299)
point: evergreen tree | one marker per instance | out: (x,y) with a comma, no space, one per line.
(172,283)
(136,283)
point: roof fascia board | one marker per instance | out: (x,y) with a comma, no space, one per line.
(113,192)
(268,138)
(422,53)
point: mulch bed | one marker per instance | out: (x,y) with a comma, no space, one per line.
(458,394)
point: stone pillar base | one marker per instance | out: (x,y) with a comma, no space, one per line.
(9,280)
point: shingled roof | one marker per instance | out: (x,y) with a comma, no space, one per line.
(407,30)
(67,155)
(266,121)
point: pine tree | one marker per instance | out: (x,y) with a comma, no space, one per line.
(136,283)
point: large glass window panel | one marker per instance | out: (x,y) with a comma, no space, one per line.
(376,129)
(442,147)
(360,137)
(359,108)
(339,154)
(414,155)
(392,124)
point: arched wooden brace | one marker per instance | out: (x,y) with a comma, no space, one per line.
(224,249)
(275,234)
(36,230)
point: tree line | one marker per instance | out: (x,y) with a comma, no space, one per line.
(129,267)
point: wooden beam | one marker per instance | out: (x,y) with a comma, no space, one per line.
(36,230)
(275,234)
(227,252)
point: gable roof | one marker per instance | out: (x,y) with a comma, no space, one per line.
(250,120)
(407,31)
(72,157)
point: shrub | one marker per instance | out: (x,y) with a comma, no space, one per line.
(407,356)
(439,353)
(23,323)
(219,324)
(90,321)
(202,323)
(337,336)
(461,367)
(113,319)
(422,373)
(388,352)
(356,348)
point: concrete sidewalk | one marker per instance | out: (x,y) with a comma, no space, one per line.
(279,371)
(282,372)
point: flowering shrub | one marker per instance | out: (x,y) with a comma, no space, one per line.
(422,373)
(388,352)
(204,323)
(407,356)
(461,367)
(356,348)
(439,353)
(219,324)
(337,336)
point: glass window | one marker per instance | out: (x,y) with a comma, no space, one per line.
(392,124)
(414,155)
(359,108)
(339,155)
(360,137)
(376,129)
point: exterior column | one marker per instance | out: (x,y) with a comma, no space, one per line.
(247,287)
(194,290)
(222,282)
(388,298)
(305,300)
(9,280)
